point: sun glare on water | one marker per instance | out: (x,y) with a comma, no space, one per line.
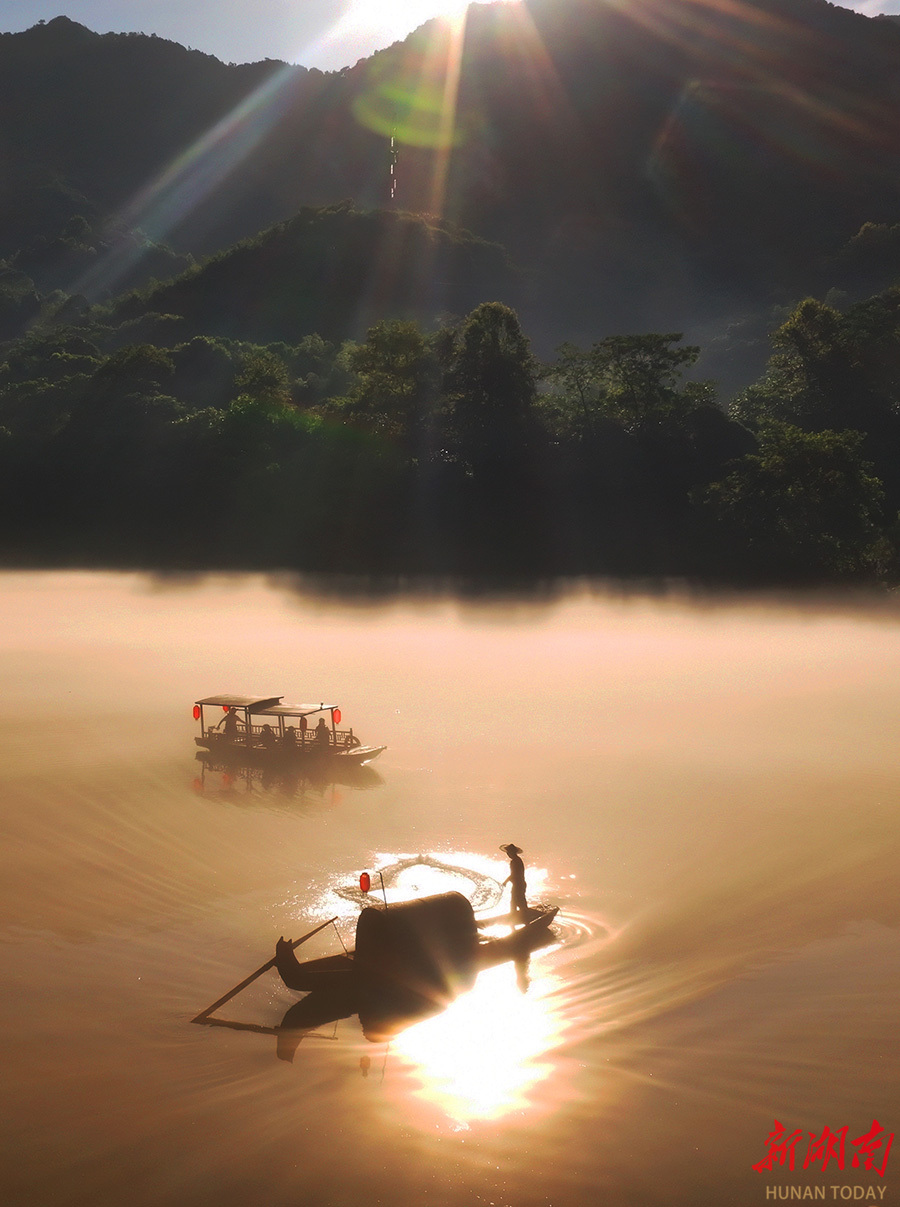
(486,1054)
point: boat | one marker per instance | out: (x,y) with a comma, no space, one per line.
(264,731)
(335,972)
(410,960)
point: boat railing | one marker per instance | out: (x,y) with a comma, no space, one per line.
(340,739)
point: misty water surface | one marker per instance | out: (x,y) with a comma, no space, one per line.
(708,792)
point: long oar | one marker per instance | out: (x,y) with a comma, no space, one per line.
(253,975)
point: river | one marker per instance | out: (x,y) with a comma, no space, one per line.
(708,791)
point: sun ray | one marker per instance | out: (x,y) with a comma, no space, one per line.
(191,177)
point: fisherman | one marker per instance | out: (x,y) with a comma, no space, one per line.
(322,734)
(516,879)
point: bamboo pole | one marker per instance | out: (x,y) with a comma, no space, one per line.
(201,1017)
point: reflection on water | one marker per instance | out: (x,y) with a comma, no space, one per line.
(488,1052)
(315,787)
(710,795)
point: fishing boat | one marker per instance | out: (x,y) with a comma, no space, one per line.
(410,960)
(265,731)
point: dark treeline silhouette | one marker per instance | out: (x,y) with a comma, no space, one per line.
(453,451)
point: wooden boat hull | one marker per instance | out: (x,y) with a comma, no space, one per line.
(310,754)
(309,976)
(519,943)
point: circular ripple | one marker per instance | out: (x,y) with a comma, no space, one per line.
(577,929)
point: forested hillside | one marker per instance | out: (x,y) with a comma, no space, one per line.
(331,272)
(454,451)
(355,322)
(662,163)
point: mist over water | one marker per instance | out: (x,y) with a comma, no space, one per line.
(708,793)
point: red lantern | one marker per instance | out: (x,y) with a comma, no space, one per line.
(365,882)
(225,708)
(336,713)
(196,712)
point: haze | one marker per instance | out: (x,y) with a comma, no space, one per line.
(709,795)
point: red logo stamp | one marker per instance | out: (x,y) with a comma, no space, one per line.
(830,1146)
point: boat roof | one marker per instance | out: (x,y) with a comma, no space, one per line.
(253,702)
(293,710)
(270,706)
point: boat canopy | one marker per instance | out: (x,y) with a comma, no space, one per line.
(268,706)
(254,703)
(292,710)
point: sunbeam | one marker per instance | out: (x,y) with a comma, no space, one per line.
(192,177)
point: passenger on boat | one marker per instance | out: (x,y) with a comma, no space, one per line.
(229,725)
(290,738)
(516,879)
(267,737)
(322,734)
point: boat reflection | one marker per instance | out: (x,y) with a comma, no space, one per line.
(296,1026)
(226,778)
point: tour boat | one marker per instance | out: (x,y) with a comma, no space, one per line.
(263,730)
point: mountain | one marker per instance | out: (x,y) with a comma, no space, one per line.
(664,164)
(332,271)
(106,115)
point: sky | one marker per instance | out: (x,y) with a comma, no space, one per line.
(328,34)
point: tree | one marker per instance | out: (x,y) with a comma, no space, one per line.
(575,402)
(138,369)
(806,505)
(205,372)
(640,376)
(834,371)
(492,383)
(633,379)
(264,379)
(397,381)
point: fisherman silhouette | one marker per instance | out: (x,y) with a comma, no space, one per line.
(322,734)
(516,879)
